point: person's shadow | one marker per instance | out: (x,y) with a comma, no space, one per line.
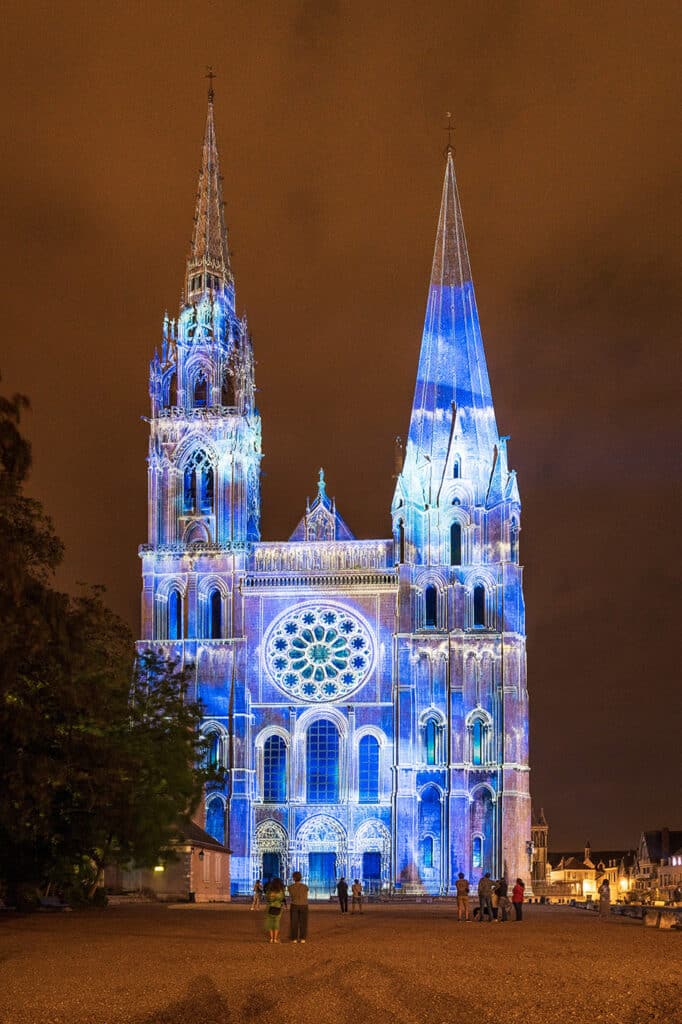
(203,1004)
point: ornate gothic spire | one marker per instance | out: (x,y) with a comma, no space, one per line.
(209,254)
(452,372)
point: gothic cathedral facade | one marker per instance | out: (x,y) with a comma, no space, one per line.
(366,698)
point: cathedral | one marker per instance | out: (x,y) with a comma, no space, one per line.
(366,698)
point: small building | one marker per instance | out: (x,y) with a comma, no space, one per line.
(659,863)
(198,872)
(579,875)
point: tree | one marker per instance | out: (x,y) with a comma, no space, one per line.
(98,749)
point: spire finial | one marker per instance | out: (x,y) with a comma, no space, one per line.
(321,485)
(210,74)
(449,148)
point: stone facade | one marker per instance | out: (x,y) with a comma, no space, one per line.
(367,697)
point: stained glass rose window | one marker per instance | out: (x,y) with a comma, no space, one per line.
(319,652)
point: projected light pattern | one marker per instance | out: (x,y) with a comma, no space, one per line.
(319,652)
(367,698)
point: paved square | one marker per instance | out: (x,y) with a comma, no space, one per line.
(209,965)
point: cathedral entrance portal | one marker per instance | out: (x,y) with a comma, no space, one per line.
(272,867)
(321,873)
(371,871)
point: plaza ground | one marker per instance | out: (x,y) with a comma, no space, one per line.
(149,964)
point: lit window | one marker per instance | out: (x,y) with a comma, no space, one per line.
(477,852)
(427,852)
(477,741)
(215,819)
(174,615)
(274,770)
(322,763)
(200,398)
(368,770)
(207,489)
(190,490)
(430,738)
(213,759)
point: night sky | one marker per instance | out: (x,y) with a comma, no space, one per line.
(330,119)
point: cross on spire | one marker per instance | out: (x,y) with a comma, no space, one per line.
(210,74)
(449,148)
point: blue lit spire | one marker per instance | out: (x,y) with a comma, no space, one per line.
(452,399)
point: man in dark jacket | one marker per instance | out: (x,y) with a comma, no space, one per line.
(502,890)
(485,892)
(342,891)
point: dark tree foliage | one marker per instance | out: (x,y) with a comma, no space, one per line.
(97,757)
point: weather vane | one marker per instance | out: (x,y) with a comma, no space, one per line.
(210,74)
(450,148)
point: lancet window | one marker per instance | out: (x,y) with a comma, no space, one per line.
(198,485)
(456,544)
(175,616)
(479,605)
(274,770)
(322,763)
(514,541)
(432,735)
(430,607)
(215,615)
(368,770)
(479,735)
(200,391)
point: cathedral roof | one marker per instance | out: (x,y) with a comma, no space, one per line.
(209,246)
(321,520)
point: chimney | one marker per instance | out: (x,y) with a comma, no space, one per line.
(588,851)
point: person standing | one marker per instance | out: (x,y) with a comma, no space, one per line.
(485,891)
(517,898)
(274,898)
(462,887)
(502,890)
(342,892)
(605,900)
(356,892)
(257,894)
(298,913)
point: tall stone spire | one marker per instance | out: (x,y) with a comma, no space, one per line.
(208,264)
(452,394)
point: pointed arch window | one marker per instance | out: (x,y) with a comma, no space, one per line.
(190,489)
(215,819)
(322,763)
(212,758)
(175,618)
(274,770)
(514,541)
(215,615)
(200,392)
(401,541)
(207,489)
(368,770)
(431,741)
(479,605)
(227,390)
(457,468)
(456,544)
(171,389)
(477,742)
(427,852)
(430,607)
(477,852)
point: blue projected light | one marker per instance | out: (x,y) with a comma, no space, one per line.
(368,767)
(322,763)
(319,652)
(274,770)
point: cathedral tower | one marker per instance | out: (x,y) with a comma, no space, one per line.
(460,645)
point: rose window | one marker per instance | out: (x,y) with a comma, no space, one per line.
(319,652)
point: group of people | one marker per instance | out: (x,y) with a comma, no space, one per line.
(275,895)
(493,899)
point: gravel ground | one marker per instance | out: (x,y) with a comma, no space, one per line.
(408,964)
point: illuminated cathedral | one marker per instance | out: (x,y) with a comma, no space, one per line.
(366,698)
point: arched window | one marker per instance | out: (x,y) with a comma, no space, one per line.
(212,757)
(456,467)
(430,606)
(274,770)
(175,615)
(227,392)
(427,852)
(190,489)
(368,770)
(455,544)
(322,763)
(215,819)
(200,397)
(479,605)
(401,541)
(477,852)
(207,489)
(431,740)
(215,612)
(171,389)
(477,733)
(514,541)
